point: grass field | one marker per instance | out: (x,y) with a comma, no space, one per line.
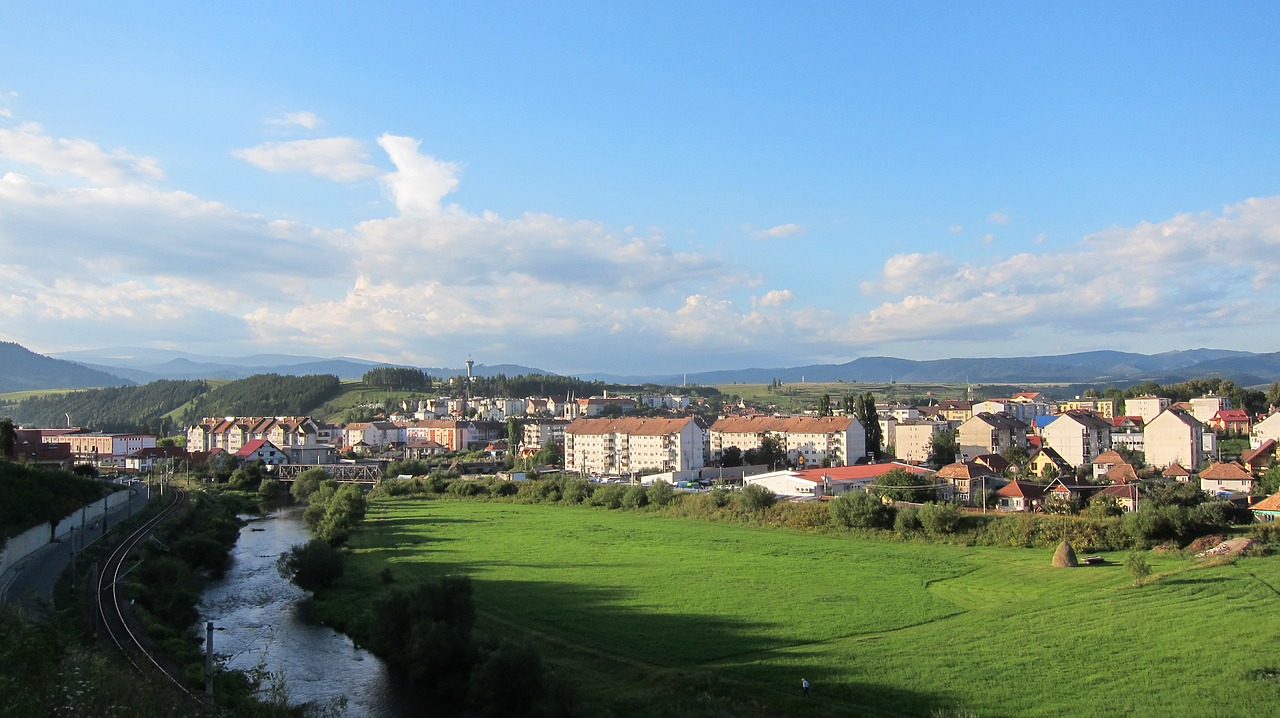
(651,611)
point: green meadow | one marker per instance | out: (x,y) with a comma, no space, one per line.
(672,616)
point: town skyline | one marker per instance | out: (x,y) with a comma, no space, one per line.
(640,189)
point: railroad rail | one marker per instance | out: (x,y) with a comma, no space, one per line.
(110,602)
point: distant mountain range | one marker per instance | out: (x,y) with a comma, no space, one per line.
(21,369)
(143,365)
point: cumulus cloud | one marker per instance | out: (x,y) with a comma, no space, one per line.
(998,218)
(775,298)
(1172,275)
(420,182)
(338,158)
(29,145)
(780,231)
(305,119)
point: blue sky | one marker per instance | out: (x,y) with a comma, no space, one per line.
(640,188)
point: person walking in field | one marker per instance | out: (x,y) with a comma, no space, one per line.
(804,687)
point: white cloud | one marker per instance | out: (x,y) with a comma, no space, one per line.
(775,298)
(29,145)
(338,158)
(780,231)
(308,120)
(998,218)
(1165,276)
(420,182)
(955,229)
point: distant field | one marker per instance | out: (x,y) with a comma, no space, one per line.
(804,396)
(16,396)
(634,604)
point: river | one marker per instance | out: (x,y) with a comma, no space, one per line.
(259,624)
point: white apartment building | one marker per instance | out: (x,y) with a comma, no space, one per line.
(813,438)
(634,445)
(538,433)
(1204,408)
(230,433)
(1174,436)
(1148,407)
(913,440)
(1078,436)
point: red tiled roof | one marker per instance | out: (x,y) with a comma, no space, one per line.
(1120,491)
(1110,456)
(628,425)
(1020,488)
(1226,471)
(1265,448)
(1271,503)
(1122,473)
(788,424)
(1175,469)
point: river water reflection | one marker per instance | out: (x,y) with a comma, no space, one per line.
(259,623)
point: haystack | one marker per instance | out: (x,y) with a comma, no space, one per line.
(1065,556)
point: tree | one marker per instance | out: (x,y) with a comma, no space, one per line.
(824,405)
(770,453)
(312,566)
(860,510)
(1016,454)
(731,456)
(1273,394)
(1138,567)
(8,438)
(870,420)
(754,498)
(943,448)
(903,485)
(939,519)
(1270,481)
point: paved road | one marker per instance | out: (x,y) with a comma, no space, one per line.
(29,584)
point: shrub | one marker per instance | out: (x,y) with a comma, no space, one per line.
(939,519)
(1138,567)
(755,498)
(635,498)
(312,566)
(660,493)
(463,487)
(576,490)
(508,681)
(907,520)
(860,510)
(608,496)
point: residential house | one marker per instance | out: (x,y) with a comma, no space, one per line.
(1174,436)
(955,411)
(1176,472)
(1267,509)
(262,450)
(375,434)
(1065,489)
(1078,436)
(1045,459)
(1121,474)
(1226,477)
(1126,495)
(1231,421)
(1258,460)
(985,433)
(968,479)
(1019,495)
(1126,433)
(634,445)
(808,440)
(1103,462)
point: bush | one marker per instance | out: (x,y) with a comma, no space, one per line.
(907,520)
(660,493)
(575,491)
(755,498)
(464,487)
(635,498)
(508,681)
(312,566)
(860,510)
(1138,567)
(608,496)
(939,519)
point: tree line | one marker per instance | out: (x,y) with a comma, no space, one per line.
(118,408)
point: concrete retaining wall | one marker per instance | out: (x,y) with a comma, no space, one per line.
(37,537)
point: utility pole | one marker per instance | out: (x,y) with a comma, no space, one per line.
(208,658)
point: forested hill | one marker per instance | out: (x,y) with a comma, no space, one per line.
(22,369)
(121,408)
(151,407)
(266,395)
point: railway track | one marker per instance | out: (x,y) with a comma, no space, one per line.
(110,601)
